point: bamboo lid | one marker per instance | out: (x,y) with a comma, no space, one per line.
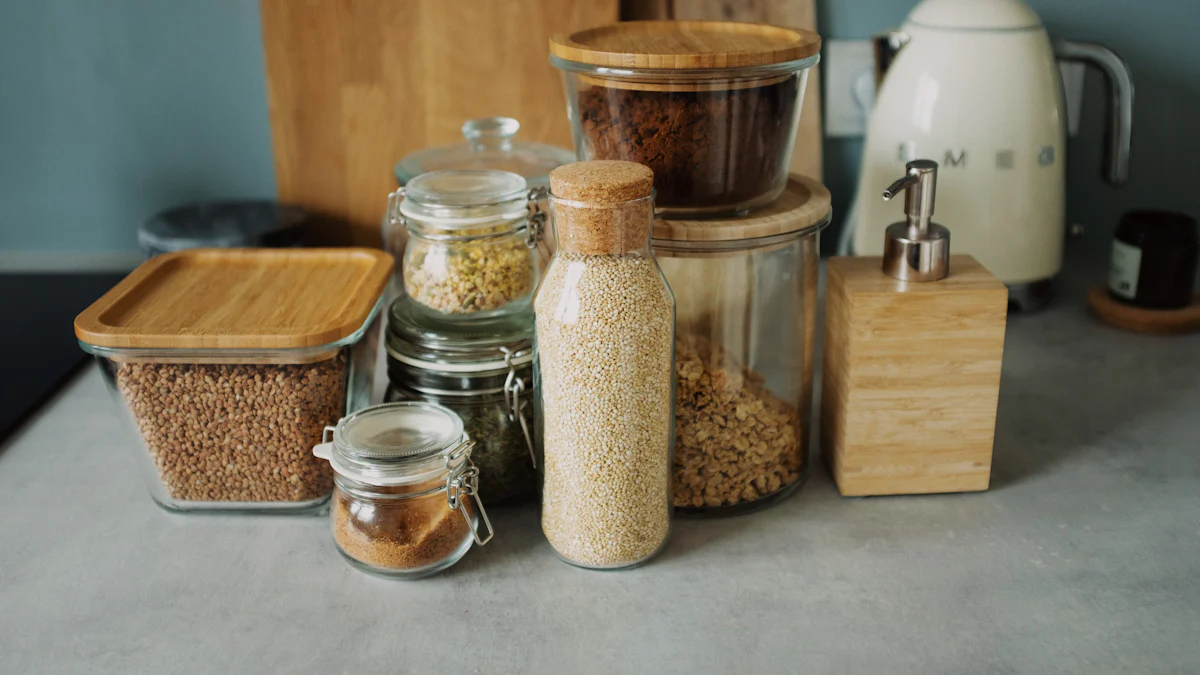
(239,299)
(685,45)
(805,203)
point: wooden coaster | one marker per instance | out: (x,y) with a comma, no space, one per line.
(1140,320)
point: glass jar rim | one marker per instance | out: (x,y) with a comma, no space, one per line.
(746,244)
(464,199)
(687,74)
(396,443)
(423,341)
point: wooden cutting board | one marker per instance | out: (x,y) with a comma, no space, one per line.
(806,159)
(354,85)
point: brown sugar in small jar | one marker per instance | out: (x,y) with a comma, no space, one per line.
(403,490)
(711,107)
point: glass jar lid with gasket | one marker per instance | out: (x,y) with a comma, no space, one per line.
(406,501)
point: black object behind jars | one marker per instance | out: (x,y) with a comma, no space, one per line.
(1154,259)
(483,371)
(226,224)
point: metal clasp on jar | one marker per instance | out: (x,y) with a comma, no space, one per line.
(535,233)
(392,215)
(513,388)
(462,479)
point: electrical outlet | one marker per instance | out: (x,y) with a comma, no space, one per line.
(849,86)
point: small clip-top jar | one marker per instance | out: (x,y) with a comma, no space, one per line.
(605,325)
(405,502)
(474,237)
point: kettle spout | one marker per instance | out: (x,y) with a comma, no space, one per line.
(887,45)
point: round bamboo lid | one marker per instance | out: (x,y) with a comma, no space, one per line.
(685,45)
(805,203)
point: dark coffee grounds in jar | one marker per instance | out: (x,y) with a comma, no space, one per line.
(707,148)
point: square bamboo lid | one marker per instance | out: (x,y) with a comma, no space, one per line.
(239,299)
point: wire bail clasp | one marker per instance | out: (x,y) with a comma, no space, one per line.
(535,237)
(513,388)
(462,480)
(392,215)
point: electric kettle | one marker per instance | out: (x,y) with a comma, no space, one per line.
(975,85)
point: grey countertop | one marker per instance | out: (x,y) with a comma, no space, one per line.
(1083,557)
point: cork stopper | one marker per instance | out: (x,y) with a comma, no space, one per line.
(602,207)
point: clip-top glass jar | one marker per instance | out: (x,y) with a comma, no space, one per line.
(403,489)
(481,370)
(474,242)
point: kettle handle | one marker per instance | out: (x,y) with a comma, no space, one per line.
(1120,104)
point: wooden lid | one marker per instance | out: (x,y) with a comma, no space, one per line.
(239,299)
(685,45)
(805,203)
(602,181)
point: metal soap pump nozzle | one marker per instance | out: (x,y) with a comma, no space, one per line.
(917,249)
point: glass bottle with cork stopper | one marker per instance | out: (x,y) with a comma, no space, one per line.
(604,333)
(913,348)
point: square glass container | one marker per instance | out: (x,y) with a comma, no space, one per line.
(229,363)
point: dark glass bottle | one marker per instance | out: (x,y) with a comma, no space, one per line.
(1154,259)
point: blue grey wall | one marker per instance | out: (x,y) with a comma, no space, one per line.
(112,110)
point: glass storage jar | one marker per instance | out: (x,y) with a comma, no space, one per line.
(230,362)
(491,144)
(746,294)
(711,106)
(483,371)
(405,501)
(604,336)
(474,242)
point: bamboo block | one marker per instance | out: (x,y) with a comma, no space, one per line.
(911,378)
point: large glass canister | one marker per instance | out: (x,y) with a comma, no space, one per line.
(712,107)
(229,363)
(406,503)
(483,371)
(746,292)
(604,334)
(474,242)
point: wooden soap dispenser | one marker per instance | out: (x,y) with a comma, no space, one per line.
(913,346)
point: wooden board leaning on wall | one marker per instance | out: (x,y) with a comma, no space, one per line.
(353,86)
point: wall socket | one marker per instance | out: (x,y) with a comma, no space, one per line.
(850,88)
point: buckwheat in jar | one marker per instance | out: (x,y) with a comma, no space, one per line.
(604,332)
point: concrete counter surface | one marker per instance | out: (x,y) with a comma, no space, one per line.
(1083,557)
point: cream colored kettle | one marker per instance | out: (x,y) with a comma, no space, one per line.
(975,85)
